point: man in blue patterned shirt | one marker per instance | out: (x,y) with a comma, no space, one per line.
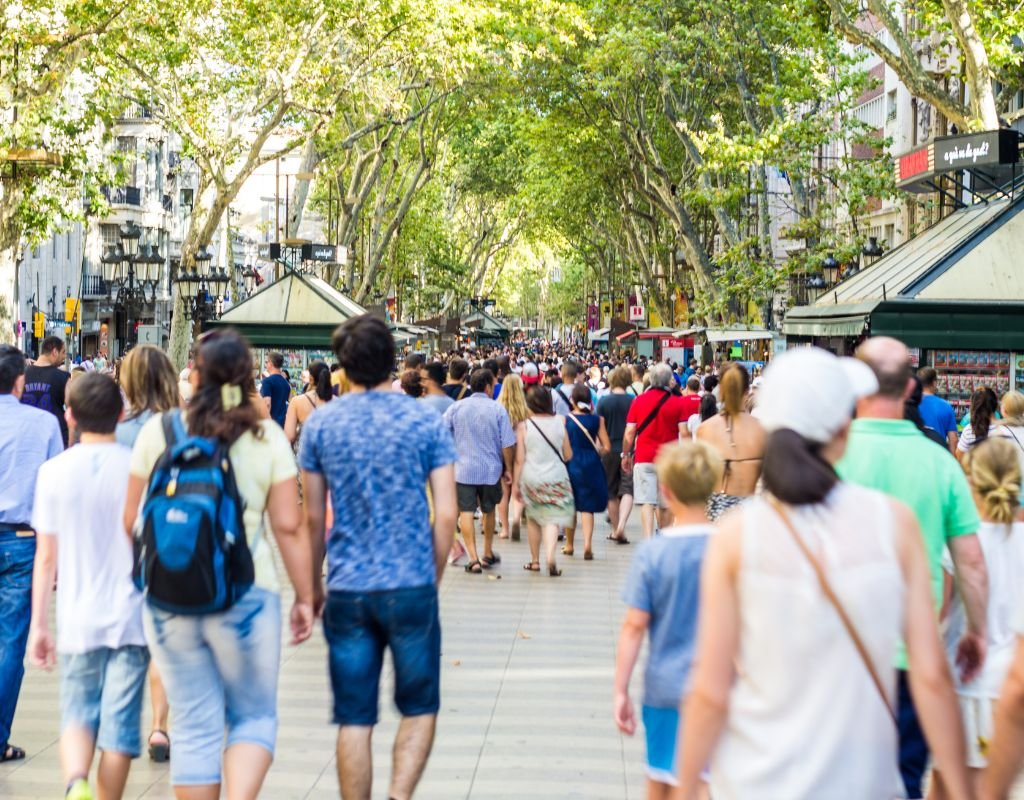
(486,444)
(376,451)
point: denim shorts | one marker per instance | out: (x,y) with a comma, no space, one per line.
(101,691)
(220,671)
(358,626)
(661,726)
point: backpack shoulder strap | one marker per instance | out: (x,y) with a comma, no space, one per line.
(173,427)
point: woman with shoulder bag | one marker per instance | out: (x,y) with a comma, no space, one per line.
(806,594)
(589,441)
(541,479)
(221,669)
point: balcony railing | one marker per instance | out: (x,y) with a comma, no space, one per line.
(93,286)
(167,203)
(123,195)
(135,111)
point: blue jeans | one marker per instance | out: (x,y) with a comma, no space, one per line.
(219,670)
(17,553)
(359,626)
(913,745)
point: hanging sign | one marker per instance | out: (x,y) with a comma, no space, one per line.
(636,313)
(324,253)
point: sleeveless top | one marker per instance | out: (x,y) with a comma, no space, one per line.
(805,719)
(543,464)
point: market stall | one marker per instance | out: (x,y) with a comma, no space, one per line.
(296,316)
(953,294)
(657,344)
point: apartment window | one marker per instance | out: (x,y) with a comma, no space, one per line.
(127,146)
(110,234)
(890,106)
(68,241)
(35,252)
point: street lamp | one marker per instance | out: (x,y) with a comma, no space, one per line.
(872,249)
(249,281)
(204,289)
(816,285)
(830,269)
(131,276)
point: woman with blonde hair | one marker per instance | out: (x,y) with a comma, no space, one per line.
(994,471)
(150,387)
(513,400)
(738,438)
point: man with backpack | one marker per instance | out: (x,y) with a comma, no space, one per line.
(376,452)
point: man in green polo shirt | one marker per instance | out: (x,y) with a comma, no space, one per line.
(889,454)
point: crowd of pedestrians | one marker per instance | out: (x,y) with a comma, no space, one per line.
(830,580)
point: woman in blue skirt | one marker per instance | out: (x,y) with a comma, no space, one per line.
(589,441)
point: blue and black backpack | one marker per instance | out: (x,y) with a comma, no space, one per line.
(191,553)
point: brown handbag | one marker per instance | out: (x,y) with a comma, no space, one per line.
(826,589)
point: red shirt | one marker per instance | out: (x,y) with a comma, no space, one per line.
(662,429)
(691,405)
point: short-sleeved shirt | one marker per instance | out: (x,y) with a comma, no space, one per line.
(613,409)
(691,405)
(481,430)
(44,389)
(895,458)
(277,388)
(28,437)
(664,581)
(662,429)
(938,414)
(80,501)
(258,464)
(376,451)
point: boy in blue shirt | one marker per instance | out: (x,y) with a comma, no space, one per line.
(662,593)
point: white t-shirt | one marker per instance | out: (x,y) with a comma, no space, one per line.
(1003,547)
(79,499)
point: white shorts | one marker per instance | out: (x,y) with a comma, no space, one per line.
(645,486)
(978,727)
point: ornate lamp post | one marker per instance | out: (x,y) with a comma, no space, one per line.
(132,275)
(203,291)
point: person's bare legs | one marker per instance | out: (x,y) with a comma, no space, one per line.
(625,509)
(551,544)
(210,791)
(413,742)
(76,751)
(355,761)
(112,775)
(159,704)
(664,518)
(517,517)
(533,534)
(588,532)
(570,537)
(503,508)
(245,767)
(467,525)
(613,513)
(647,519)
(488,526)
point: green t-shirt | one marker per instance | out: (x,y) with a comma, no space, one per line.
(894,457)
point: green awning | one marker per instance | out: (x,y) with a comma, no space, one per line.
(966,325)
(846,319)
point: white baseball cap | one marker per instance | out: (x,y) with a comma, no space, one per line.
(812,392)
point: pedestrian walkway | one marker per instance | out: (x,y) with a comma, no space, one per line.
(527,672)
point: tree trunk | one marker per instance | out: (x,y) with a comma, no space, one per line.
(978,71)
(310,159)
(10,250)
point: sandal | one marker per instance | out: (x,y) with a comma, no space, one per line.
(159,752)
(588,555)
(617,539)
(490,561)
(532,566)
(567,552)
(475,567)
(11,753)
(554,571)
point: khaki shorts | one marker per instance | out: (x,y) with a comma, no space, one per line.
(645,486)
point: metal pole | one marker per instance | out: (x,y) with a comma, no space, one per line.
(277,199)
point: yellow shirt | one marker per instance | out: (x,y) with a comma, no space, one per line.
(258,465)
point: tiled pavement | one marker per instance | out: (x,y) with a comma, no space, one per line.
(527,671)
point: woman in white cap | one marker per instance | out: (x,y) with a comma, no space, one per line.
(806,593)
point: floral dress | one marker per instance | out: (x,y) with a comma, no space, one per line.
(544,482)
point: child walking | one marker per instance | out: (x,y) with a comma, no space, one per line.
(78,512)
(662,593)
(994,472)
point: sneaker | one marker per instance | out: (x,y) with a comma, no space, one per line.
(79,790)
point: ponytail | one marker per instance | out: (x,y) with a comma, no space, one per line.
(320,379)
(984,405)
(734,383)
(996,477)
(794,469)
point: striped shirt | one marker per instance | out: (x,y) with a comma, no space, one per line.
(481,429)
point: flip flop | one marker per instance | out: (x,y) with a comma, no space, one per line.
(11,753)
(617,539)
(532,566)
(567,552)
(554,572)
(588,555)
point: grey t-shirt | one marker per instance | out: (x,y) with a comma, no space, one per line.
(438,402)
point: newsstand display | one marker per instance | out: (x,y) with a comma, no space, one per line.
(961,372)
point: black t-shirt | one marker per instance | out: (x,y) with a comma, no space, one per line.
(44,389)
(614,408)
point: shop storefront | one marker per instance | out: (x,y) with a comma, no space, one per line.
(954,295)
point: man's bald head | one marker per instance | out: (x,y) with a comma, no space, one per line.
(889,359)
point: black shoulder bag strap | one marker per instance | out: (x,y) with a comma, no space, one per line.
(650,417)
(546,439)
